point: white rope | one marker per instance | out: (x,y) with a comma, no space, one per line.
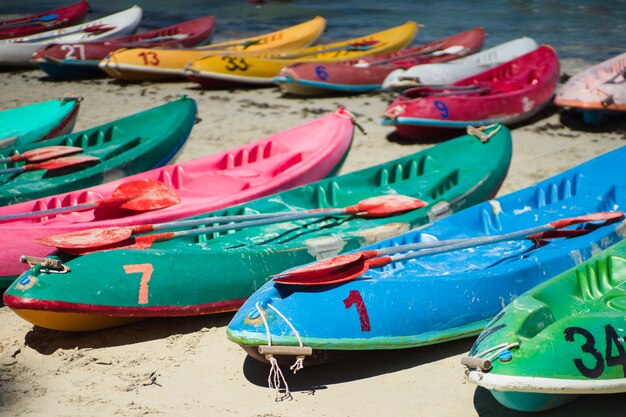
(267,327)
(299,363)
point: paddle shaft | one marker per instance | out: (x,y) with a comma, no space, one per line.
(350,47)
(158,237)
(42,19)
(424,53)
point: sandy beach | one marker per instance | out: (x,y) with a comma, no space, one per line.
(186,366)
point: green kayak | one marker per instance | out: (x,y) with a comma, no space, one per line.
(562,339)
(124,147)
(215,272)
(39,121)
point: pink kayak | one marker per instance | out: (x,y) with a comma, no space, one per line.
(287,159)
(509,93)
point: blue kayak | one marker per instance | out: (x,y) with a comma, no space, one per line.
(444,296)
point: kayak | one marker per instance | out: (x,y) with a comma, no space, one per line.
(367,74)
(260,69)
(123,147)
(39,121)
(45,21)
(302,154)
(144,64)
(560,340)
(81,59)
(169,278)
(442,294)
(451,72)
(18,51)
(509,93)
(598,92)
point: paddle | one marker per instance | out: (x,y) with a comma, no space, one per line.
(156,39)
(347,267)
(424,53)
(95,29)
(54,164)
(43,154)
(245,44)
(42,19)
(620,73)
(84,241)
(354,46)
(137,195)
(428,90)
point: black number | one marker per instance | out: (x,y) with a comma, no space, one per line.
(235,63)
(613,339)
(588,347)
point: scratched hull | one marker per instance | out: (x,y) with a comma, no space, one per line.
(574,316)
(216,272)
(450,295)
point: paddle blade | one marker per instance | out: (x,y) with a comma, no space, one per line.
(86,238)
(387,205)
(607,216)
(47,152)
(69,161)
(346,273)
(144,195)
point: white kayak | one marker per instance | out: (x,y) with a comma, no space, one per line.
(453,71)
(601,87)
(18,51)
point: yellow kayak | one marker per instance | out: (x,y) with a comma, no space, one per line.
(139,64)
(261,68)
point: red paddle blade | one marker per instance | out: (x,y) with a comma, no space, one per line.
(365,43)
(337,275)
(47,152)
(387,205)
(86,238)
(74,247)
(68,161)
(98,28)
(145,195)
(608,216)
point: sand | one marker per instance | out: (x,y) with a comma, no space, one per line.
(186,366)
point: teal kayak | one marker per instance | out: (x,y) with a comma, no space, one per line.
(36,122)
(127,146)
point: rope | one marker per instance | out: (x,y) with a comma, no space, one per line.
(299,363)
(347,114)
(478,132)
(498,348)
(275,376)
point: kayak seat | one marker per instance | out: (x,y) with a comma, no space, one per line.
(328,196)
(72,199)
(555,193)
(398,172)
(517,82)
(596,279)
(176,179)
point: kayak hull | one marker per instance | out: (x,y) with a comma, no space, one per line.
(368,74)
(296,156)
(510,93)
(242,260)
(45,21)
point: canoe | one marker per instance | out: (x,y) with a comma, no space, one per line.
(144,64)
(18,51)
(509,93)
(597,91)
(450,72)
(39,121)
(123,147)
(444,296)
(45,21)
(368,74)
(560,340)
(81,59)
(260,69)
(448,177)
(302,154)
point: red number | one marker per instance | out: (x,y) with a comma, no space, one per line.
(355,299)
(150,58)
(146,271)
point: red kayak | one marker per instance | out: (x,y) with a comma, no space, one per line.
(81,59)
(368,74)
(42,22)
(509,93)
